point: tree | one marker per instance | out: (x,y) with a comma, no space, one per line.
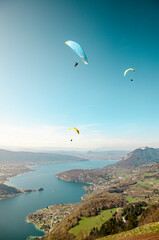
(132,221)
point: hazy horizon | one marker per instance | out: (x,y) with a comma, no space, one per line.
(70,150)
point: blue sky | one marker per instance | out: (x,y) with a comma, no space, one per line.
(42,94)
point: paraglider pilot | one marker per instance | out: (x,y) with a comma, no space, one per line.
(76,63)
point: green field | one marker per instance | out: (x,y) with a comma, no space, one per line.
(86,224)
(130,199)
(154,180)
(145,184)
(146,229)
(148,174)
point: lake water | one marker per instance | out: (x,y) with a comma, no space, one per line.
(13,211)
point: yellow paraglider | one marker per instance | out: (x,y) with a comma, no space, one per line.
(129,69)
(74,129)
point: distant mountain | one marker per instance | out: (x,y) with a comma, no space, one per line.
(135,158)
(140,157)
(115,154)
(25,156)
(15,156)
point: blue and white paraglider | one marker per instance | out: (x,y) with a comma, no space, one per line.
(78,50)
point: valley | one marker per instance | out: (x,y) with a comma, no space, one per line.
(135,182)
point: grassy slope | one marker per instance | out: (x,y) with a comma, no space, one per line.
(86,224)
(130,199)
(145,184)
(146,229)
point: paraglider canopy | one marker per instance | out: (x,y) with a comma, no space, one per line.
(129,69)
(74,129)
(78,50)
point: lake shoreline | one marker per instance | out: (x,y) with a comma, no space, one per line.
(56,192)
(28,169)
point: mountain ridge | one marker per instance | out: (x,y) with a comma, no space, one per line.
(136,158)
(24,156)
(140,156)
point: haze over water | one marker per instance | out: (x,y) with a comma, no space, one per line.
(14,210)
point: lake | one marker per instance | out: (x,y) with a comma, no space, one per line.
(13,211)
